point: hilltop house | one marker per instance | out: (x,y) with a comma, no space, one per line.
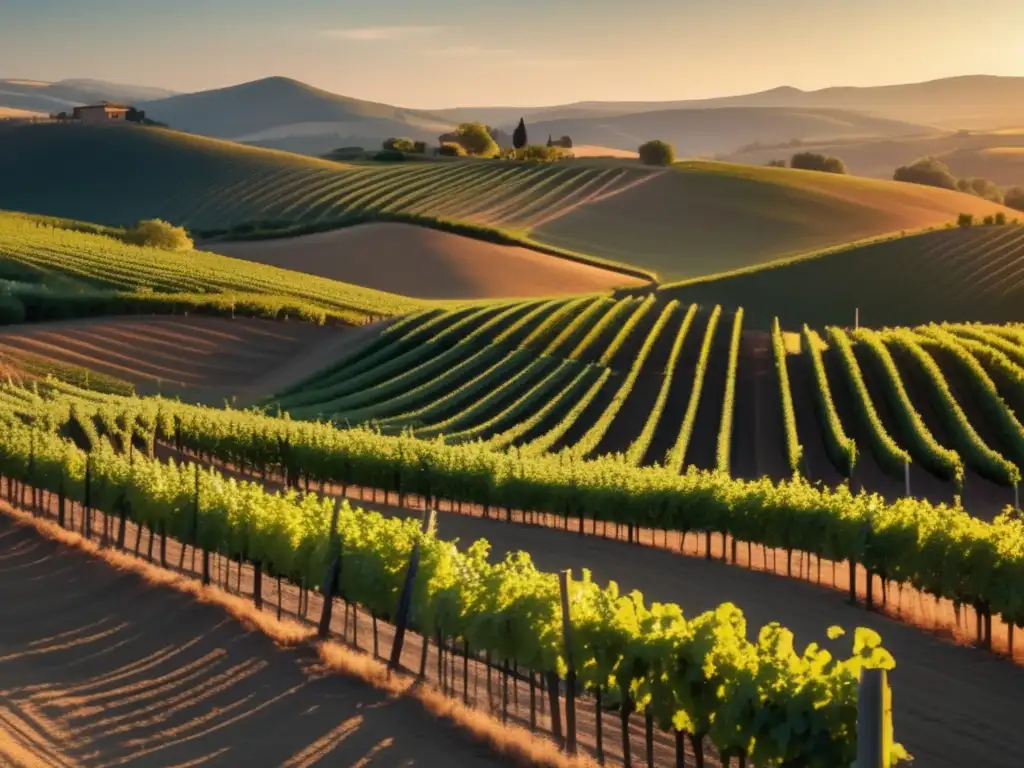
(104,112)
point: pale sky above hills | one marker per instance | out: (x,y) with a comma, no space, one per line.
(442,53)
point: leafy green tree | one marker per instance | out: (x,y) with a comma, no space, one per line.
(399,144)
(929,171)
(477,140)
(157,233)
(657,152)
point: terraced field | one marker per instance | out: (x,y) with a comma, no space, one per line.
(948,275)
(683,386)
(698,219)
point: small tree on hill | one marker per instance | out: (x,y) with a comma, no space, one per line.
(550,142)
(929,171)
(1014,198)
(980,187)
(565,142)
(965,221)
(519,138)
(477,140)
(813,161)
(657,152)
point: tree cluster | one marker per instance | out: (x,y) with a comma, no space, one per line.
(815,161)
(932,172)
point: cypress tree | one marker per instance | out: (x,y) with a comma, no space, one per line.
(519,135)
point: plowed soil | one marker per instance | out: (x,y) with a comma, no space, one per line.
(427,263)
(208,358)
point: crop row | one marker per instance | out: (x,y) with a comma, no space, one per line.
(760,700)
(842,450)
(942,461)
(794,450)
(676,456)
(638,448)
(981,457)
(723,455)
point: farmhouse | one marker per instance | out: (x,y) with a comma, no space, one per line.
(103,112)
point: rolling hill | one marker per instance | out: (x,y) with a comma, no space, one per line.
(698,219)
(706,132)
(279,111)
(994,155)
(703,218)
(47,98)
(946,275)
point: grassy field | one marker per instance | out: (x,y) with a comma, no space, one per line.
(945,275)
(84,267)
(698,219)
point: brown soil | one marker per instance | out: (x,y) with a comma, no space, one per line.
(98,666)
(761,389)
(427,263)
(207,358)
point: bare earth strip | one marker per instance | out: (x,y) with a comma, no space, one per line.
(209,358)
(427,263)
(99,668)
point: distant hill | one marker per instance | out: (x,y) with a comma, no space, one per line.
(707,132)
(969,101)
(291,115)
(48,98)
(996,155)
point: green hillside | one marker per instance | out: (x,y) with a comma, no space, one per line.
(704,218)
(59,270)
(948,275)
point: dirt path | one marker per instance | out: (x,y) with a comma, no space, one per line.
(95,665)
(756,358)
(205,358)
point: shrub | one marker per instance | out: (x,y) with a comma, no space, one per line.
(813,161)
(981,188)
(989,221)
(1014,198)
(399,144)
(929,171)
(477,140)
(536,153)
(451,149)
(346,153)
(389,156)
(776,163)
(657,152)
(419,147)
(1000,219)
(159,234)
(565,142)
(965,221)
